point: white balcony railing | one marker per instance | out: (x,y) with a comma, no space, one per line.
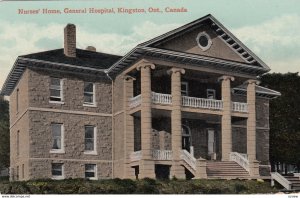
(162,154)
(240,159)
(136,156)
(202,103)
(189,159)
(135,101)
(240,107)
(159,98)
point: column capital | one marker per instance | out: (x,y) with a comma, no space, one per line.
(127,78)
(175,70)
(144,64)
(252,81)
(225,78)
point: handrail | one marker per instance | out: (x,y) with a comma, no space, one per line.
(189,159)
(282,180)
(136,156)
(240,107)
(160,98)
(135,101)
(202,103)
(162,154)
(240,159)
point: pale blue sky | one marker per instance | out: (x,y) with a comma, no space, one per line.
(270,28)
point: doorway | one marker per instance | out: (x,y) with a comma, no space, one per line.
(186,138)
(211,150)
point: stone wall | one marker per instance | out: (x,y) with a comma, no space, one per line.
(72,168)
(73,91)
(119,158)
(18,161)
(40,134)
(239,139)
(23,100)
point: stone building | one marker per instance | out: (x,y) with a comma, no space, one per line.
(185,104)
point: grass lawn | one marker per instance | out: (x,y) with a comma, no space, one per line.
(144,186)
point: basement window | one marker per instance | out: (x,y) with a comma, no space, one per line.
(204,41)
(56,89)
(90,171)
(57,171)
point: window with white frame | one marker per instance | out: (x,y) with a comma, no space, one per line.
(184,88)
(57,171)
(90,171)
(56,89)
(211,93)
(90,139)
(57,137)
(89,93)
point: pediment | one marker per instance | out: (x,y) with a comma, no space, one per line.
(221,43)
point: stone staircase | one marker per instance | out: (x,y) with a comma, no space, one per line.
(225,170)
(295,182)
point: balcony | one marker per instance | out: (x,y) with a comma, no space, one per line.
(156,155)
(204,103)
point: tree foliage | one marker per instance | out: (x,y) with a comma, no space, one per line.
(4,134)
(284,117)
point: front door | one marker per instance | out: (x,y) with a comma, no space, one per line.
(186,138)
(211,141)
(186,143)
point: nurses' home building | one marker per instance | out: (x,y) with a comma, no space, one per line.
(185,104)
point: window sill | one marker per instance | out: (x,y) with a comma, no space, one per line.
(58,178)
(92,178)
(90,153)
(89,105)
(56,102)
(58,151)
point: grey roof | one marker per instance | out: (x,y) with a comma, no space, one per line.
(84,58)
(260,91)
(84,62)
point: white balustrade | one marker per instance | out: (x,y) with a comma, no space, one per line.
(280,179)
(136,156)
(202,103)
(189,159)
(240,159)
(135,101)
(159,98)
(162,154)
(240,107)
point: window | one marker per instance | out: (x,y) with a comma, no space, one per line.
(57,138)
(90,140)
(18,143)
(184,88)
(56,89)
(91,171)
(57,171)
(17,101)
(211,93)
(204,41)
(89,93)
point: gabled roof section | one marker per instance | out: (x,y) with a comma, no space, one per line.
(85,62)
(224,34)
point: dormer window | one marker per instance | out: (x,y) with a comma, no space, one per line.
(204,41)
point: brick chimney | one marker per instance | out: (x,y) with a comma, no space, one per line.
(70,40)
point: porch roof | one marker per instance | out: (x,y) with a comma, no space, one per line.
(260,91)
